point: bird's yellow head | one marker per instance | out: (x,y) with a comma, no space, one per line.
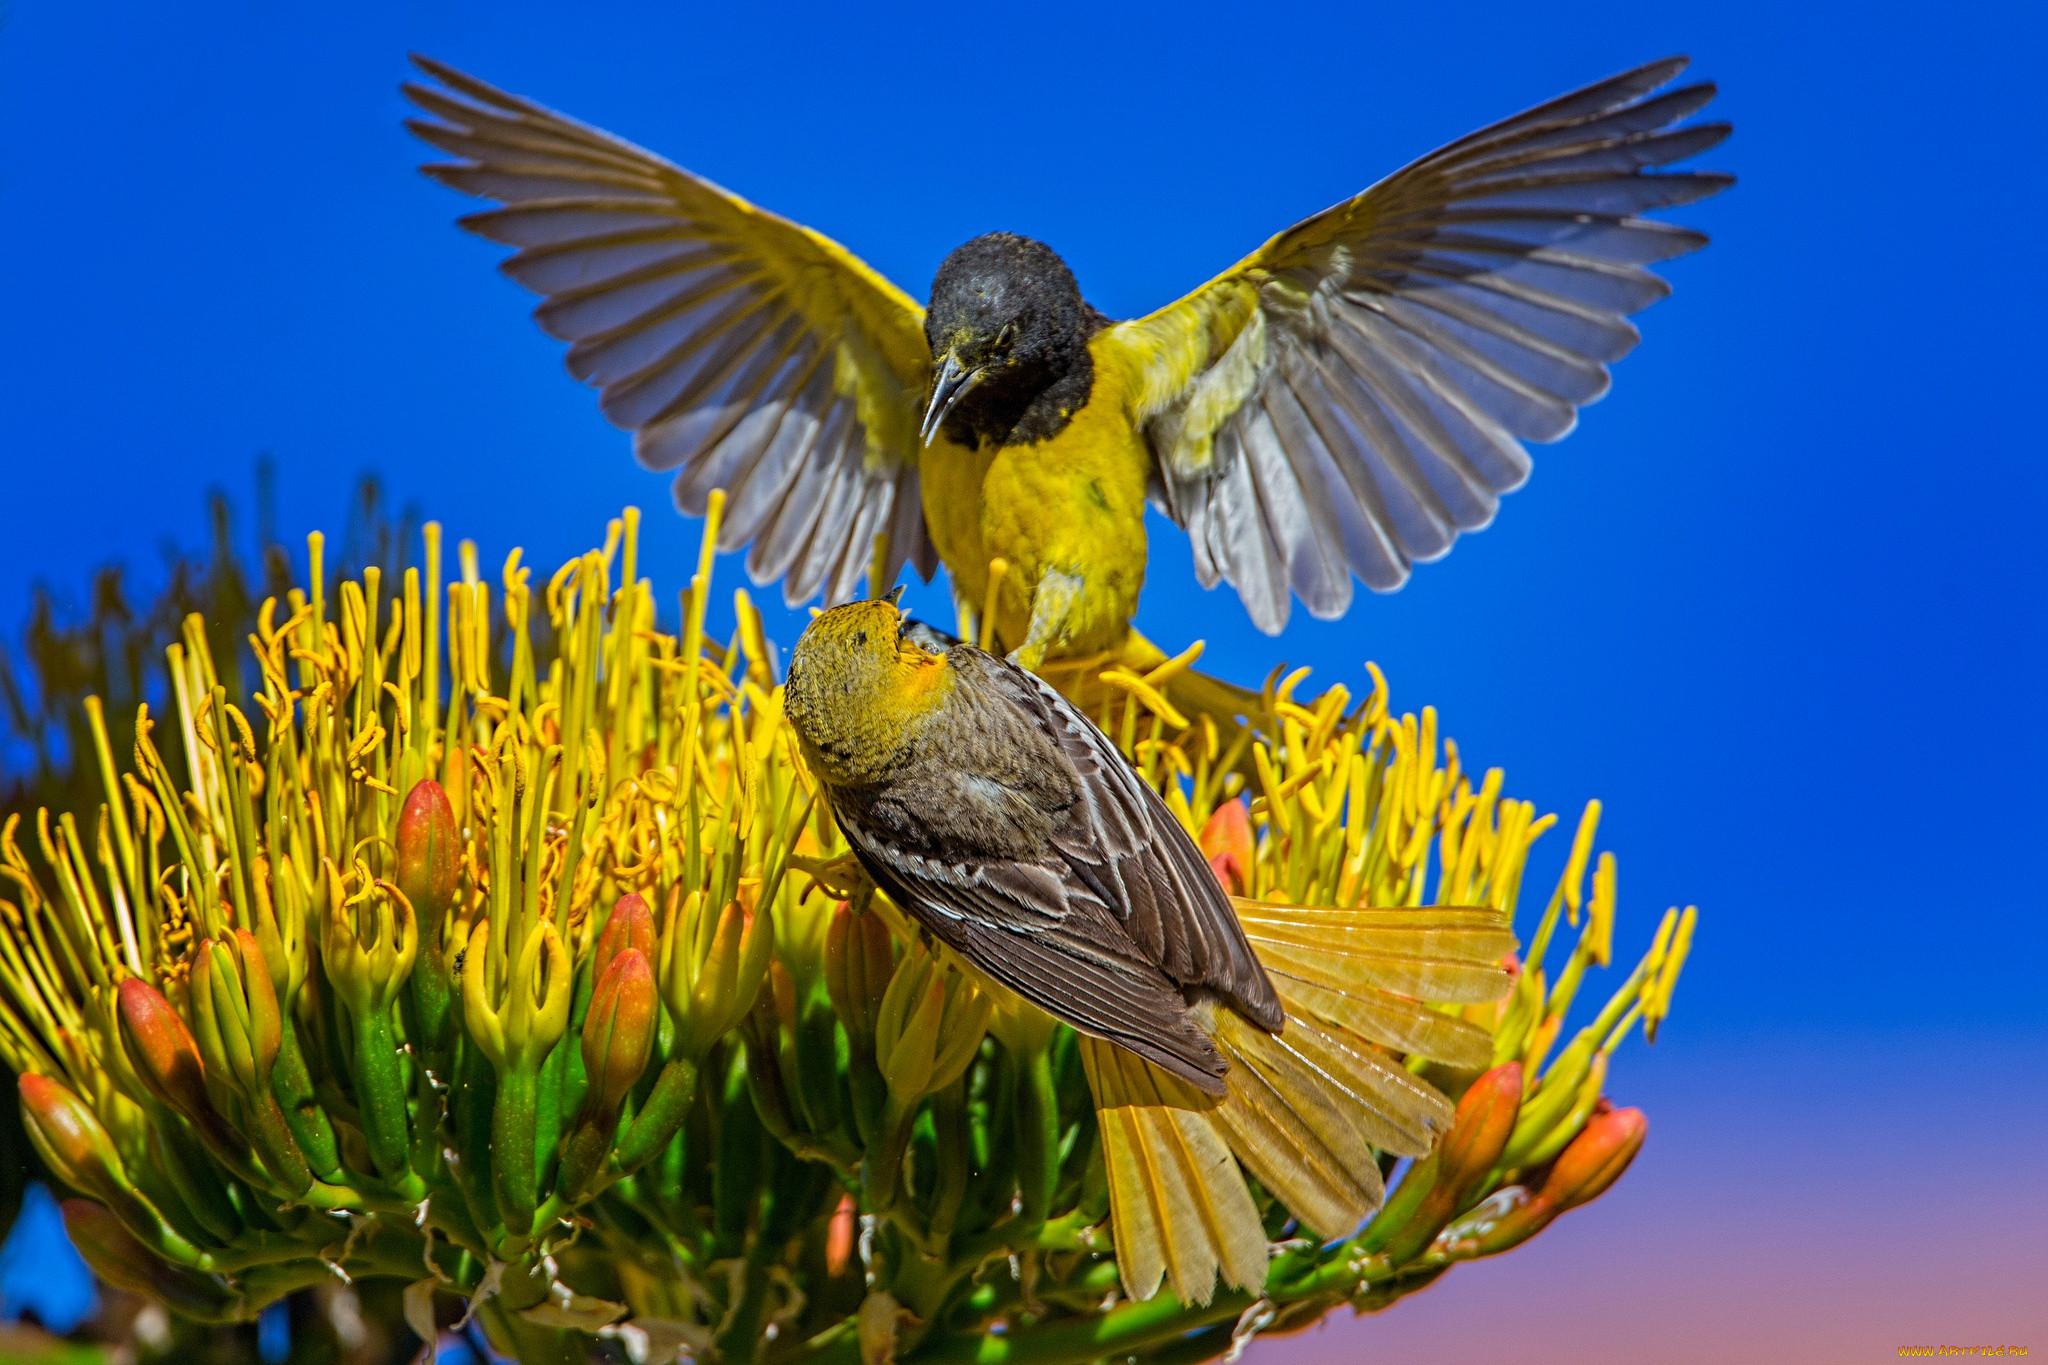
(860,687)
(1007,325)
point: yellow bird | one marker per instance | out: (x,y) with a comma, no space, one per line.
(1343,401)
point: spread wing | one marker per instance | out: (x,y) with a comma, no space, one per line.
(1111,925)
(742,350)
(1356,392)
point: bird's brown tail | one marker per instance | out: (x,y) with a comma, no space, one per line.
(1307,1107)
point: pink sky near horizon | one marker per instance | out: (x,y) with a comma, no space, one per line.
(1850,1221)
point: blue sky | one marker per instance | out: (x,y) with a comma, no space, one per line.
(1778,602)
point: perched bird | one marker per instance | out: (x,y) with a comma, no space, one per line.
(1343,401)
(1008,827)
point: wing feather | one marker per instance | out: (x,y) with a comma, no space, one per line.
(743,351)
(1367,378)
(1111,926)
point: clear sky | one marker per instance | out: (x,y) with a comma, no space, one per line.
(1778,601)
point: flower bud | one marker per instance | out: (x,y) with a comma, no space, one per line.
(1480,1129)
(1228,844)
(165,1058)
(839,1236)
(429,864)
(618,1031)
(1595,1159)
(859,960)
(713,967)
(118,1258)
(930,1025)
(1434,1189)
(279,913)
(236,1010)
(631,926)
(69,1136)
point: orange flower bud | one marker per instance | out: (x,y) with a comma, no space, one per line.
(1596,1158)
(1481,1128)
(839,1236)
(428,862)
(1431,1193)
(68,1135)
(1594,1161)
(161,1048)
(631,926)
(1228,844)
(618,1032)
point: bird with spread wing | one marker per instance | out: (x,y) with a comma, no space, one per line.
(1340,404)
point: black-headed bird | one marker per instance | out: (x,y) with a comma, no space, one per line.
(1007,826)
(1342,402)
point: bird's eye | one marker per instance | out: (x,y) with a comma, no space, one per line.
(1006,338)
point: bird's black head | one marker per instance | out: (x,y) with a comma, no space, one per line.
(1009,336)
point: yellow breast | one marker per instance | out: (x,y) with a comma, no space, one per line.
(1073,503)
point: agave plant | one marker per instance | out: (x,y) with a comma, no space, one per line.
(505,948)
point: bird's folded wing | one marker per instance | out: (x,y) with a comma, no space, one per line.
(1356,392)
(1128,848)
(1053,943)
(744,351)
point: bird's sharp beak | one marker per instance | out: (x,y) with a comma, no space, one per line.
(948,387)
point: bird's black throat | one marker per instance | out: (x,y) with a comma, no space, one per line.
(1009,306)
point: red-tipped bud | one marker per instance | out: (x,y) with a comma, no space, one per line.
(118,1258)
(1228,844)
(1581,1174)
(782,994)
(161,1047)
(1435,1188)
(631,926)
(859,961)
(1480,1131)
(618,1031)
(429,864)
(839,1236)
(68,1135)
(1596,1158)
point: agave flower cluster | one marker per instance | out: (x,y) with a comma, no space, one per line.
(503,945)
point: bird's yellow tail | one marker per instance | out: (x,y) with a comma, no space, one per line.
(1307,1109)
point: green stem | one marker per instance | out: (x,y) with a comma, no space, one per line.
(1038,1138)
(661,1118)
(949,1119)
(512,1165)
(380,1093)
(293,1089)
(274,1144)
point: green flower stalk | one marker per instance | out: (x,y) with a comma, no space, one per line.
(118,1258)
(368,943)
(496,940)
(517,1033)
